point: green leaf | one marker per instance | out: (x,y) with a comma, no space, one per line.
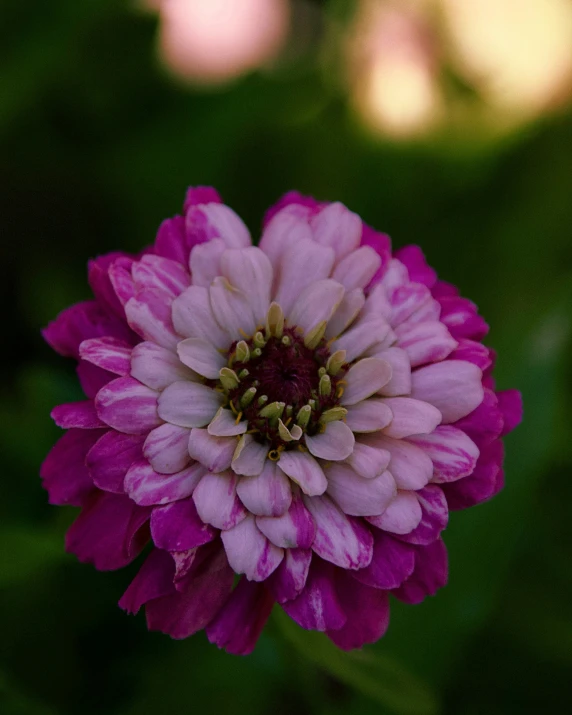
(378,676)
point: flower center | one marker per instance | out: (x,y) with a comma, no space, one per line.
(284,383)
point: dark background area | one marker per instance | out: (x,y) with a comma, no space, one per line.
(98,144)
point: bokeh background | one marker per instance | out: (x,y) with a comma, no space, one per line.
(446,123)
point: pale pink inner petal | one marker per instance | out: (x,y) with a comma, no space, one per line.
(400,381)
(411,417)
(201,356)
(205,261)
(358,268)
(250,270)
(411,466)
(215,453)
(249,456)
(216,500)
(158,367)
(364,379)
(401,516)
(189,404)
(368,461)
(369,415)
(232,309)
(226,224)
(346,312)
(454,387)
(250,552)
(286,228)
(335,443)
(166,448)
(303,469)
(356,495)
(337,227)
(194,318)
(316,303)
(364,334)
(268,494)
(224,424)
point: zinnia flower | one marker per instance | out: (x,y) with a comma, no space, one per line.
(302,414)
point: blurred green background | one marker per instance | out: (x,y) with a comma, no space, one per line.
(98,142)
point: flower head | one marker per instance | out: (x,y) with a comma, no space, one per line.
(303,413)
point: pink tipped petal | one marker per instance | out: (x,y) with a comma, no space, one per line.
(81,415)
(368,461)
(435,515)
(268,494)
(295,528)
(249,551)
(147,487)
(128,406)
(158,367)
(413,259)
(400,381)
(316,303)
(453,453)
(205,261)
(356,495)
(367,611)
(453,387)
(364,379)
(391,564)
(250,271)
(121,280)
(216,500)
(171,241)
(231,309)
(149,315)
(178,527)
(239,623)
(290,577)
(346,312)
(405,300)
(462,318)
(303,469)
(159,273)
(201,195)
(221,222)
(361,337)
(284,229)
(107,353)
(317,608)
(224,424)
(425,342)
(340,539)
(64,473)
(411,417)
(334,444)
(214,453)
(470,351)
(402,516)
(189,404)
(249,457)
(337,227)
(109,532)
(410,465)
(358,268)
(377,303)
(302,263)
(429,574)
(486,480)
(110,458)
(368,416)
(153,580)
(193,317)
(201,356)
(166,448)
(395,276)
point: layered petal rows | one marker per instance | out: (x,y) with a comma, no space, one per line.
(303,414)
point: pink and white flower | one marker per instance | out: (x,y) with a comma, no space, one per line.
(303,413)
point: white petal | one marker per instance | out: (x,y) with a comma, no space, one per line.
(369,415)
(158,367)
(337,227)
(285,228)
(232,309)
(316,303)
(361,336)
(215,453)
(205,261)
(249,551)
(193,317)
(364,379)
(224,424)
(335,443)
(400,382)
(303,469)
(268,494)
(227,225)
(454,387)
(356,495)
(358,268)
(345,313)
(410,466)
(189,404)
(411,417)
(201,356)
(249,456)
(250,270)
(368,461)
(401,516)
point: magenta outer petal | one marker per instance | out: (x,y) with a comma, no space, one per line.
(92,378)
(435,516)
(128,406)
(414,260)
(101,285)
(109,354)
(64,474)
(239,623)
(367,611)
(201,195)
(317,608)
(484,424)
(148,488)
(510,404)
(206,589)
(110,458)
(474,352)
(293,198)
(462,318)
(171,240)
(429,575)
(290,577)
(486,481)
(381,244)
(110,531)
(153,580)
(177,527)
(81,415)
(391,564)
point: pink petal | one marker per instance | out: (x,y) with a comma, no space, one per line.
(149,315)
(188,404)
(429,575)
(250,457)
(110,458)
(250,552)
(128,406)
(356,495)
(454,455)
(486,423)
(81,415)
(121,280)
(358,268)
(205,261)
(435,515)
(231,309)
(346,312)
(153,580)
(474,352)
(290,577)
(377,303)
(201,356)
(337,227)
(147,487)
(381,244)
(368,461)
(317,608)
(425,342)
(410,465)
(218,221)
(109,532)
(268,494)
(193,317)
(224,424)
(364,379)
(364,334)
(402,516)
(391,564)
(177,527)
(303,469)
(453,387)
(295,528)
(405,300)
(335,443)
(216,500)
(510,404)
(411,417)
(158,367)
(166,448)
(400,381)
(239,623)
(316,303)
(107,353)
(340,539)
(486,480)
(214,453)
(285,228)
(369,415)
(250,271)
(64,473)
(159,273)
